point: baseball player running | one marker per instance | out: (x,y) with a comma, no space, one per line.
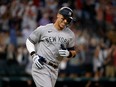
(48,45)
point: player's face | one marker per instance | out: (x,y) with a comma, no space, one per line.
(62,22)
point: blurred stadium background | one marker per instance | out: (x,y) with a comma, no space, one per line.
(95,30)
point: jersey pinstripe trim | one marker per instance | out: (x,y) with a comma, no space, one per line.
(31,40)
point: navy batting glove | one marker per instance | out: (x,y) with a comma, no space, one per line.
(39,61)
(62,47)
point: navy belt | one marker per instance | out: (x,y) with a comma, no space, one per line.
(53,65)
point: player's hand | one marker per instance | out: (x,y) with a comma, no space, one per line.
(39,61)
(64,53)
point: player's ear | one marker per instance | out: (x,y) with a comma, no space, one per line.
(58,15)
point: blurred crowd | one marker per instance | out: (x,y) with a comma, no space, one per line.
(93,21)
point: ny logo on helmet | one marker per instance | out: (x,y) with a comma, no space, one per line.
(69,13)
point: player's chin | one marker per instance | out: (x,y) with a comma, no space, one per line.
(62,26)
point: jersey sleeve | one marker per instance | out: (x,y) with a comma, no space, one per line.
(35,36)
(72,41)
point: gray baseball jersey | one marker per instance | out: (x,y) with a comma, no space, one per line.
(48,41)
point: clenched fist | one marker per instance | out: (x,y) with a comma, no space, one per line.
(64,53)
(39,61)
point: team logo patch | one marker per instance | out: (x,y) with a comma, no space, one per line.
(69,13)
(49,31)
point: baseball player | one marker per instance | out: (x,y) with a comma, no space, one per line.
(48,45)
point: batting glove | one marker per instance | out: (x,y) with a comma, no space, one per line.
(64,53)
(39,61)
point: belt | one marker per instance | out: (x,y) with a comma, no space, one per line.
(51,64)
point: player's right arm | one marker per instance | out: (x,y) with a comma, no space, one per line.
(30,45)
(36,59)
(32,40)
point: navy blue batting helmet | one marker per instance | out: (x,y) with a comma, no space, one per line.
(67,13)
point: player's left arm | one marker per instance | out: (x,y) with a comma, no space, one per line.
(72,52)
(67,52)
(72,48)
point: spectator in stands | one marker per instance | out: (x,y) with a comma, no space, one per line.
(22,56)
(98,61)
(110,67)
(11,54)
(114,56)
(45,19)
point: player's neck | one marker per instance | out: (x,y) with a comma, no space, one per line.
(57,27)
